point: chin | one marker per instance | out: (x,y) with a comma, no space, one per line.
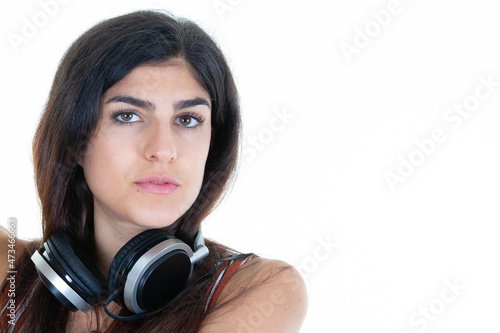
(151,220)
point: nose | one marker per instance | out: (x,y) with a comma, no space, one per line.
(160,145)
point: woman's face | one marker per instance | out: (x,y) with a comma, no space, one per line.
(145,163)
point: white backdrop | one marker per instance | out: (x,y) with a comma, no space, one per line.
(371,144)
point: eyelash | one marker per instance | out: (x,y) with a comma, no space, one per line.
(115,115)
(200,119)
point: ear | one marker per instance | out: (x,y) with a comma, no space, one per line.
(80,157)
(79,160)
(81,153)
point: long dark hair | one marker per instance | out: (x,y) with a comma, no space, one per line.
(97,60)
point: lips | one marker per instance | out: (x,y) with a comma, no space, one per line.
(157,184)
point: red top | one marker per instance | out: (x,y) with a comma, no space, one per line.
(225,272)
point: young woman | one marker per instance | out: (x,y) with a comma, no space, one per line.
(137,144)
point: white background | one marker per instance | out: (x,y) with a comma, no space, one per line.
(319,179)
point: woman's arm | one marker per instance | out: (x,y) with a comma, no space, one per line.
(277,301)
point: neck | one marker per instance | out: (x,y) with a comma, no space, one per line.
(109,239)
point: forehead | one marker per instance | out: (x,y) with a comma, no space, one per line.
(170,77)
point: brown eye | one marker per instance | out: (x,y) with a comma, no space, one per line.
(126,116)
(185,121)
(189,121)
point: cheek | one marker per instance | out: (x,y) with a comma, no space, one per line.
(201,155)
(102,165)
(195,162)
(94,171)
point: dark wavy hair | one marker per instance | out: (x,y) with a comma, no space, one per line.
(97,60)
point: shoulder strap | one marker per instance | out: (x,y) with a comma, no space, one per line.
(224,273)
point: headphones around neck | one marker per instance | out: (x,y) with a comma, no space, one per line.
(148,271)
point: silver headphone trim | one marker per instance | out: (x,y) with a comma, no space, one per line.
(200,250)
(142,265)
(46,270)
(199,255)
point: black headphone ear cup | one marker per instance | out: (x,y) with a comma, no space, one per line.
(78,266)
(162,281)
(149,270)
(125,256)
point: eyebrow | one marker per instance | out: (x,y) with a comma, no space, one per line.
(190,103)
(140,103)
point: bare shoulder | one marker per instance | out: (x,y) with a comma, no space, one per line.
(276,300)
(10,249)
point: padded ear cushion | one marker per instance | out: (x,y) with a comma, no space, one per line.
(130,252)
(78,265)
